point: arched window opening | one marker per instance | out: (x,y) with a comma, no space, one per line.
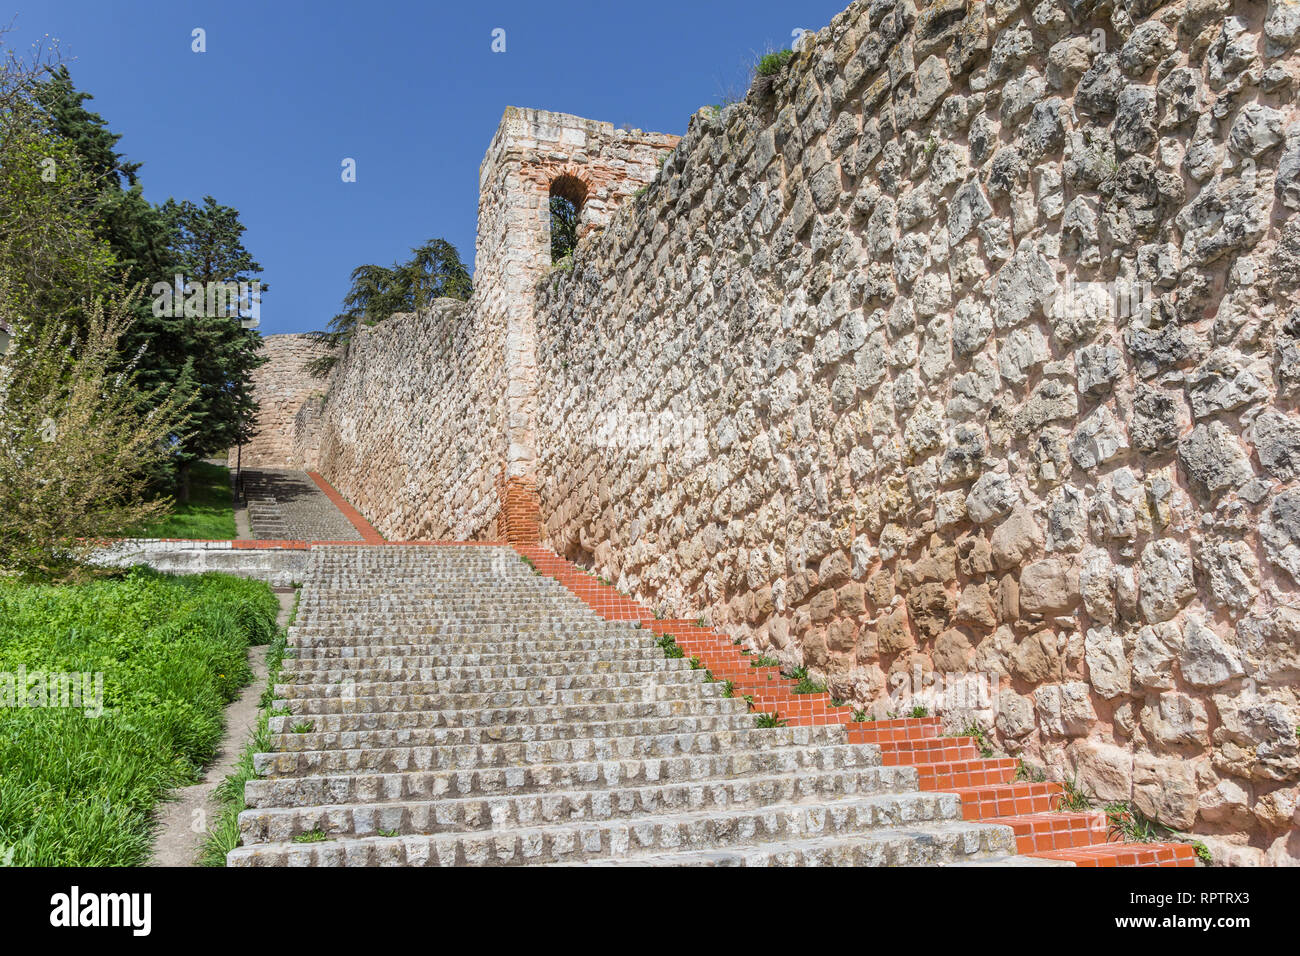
(567,196)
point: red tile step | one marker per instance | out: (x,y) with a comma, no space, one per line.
(986,786)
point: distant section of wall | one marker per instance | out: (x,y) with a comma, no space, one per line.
(428,427)
(413,430)
(969,344)
(281,386)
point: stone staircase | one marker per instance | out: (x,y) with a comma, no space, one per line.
(452,706)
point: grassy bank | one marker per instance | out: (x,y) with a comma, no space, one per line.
(78,789)
(223,835)
(210,512)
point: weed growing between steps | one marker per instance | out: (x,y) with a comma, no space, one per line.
(223,835)
(80,790)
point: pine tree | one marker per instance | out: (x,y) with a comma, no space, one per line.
(434,271)
(212,354)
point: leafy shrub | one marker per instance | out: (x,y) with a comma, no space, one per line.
(773,63)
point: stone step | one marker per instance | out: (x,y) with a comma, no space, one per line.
(934,844)
(405,817)
(289,762)
(394,699)
(302,672)
(520,644)
(561,661)
(451,753)
(280,789)
(292,686)
(657,834)
(655,719)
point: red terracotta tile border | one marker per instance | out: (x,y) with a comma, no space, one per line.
(368,534)
(986,786)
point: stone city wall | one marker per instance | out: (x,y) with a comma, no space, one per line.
(971,346)
(968,344)
(282,386)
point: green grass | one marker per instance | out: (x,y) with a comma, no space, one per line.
(77,790)
(223,835)
(210,512)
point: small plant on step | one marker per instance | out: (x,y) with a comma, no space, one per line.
(699,622)
(1073,798)
(671,650)
(918,711)
(836,702)
(764,661)
(728,688)
(861,716)
(304,727)
(1128,825)
(1202,852)
(1027,772)
(708,677)
(749,699)
(805,684)
(387,833)
(768,720)
(695,663)
(311,836)
(976,733)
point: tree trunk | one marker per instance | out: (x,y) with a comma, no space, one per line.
(183,484)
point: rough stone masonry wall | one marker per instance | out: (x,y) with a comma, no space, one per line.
(282,386)
(827,382)
(412,431)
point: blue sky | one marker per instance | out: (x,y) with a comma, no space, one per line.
(411,90)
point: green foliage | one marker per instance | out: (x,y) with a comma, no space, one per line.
(211,356)
(861,716)
(223,834)
(78,441)
(670,647)
(1029,772)
(79,790)
(728,688)
(434,271)
(768,720)
(975,731)
(773,63)
(764,661)
(311,836)
(918,712)
(1129,825)
(209,513)
(1074,798)
(564,229)
(805,685)
(695,663)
